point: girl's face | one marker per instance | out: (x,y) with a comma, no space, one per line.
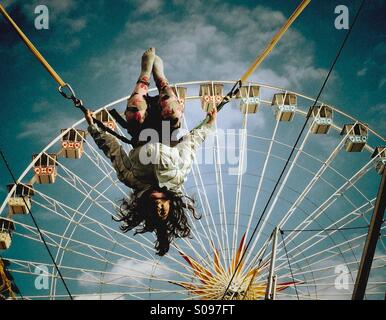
(160,204)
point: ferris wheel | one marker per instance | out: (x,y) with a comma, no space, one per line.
(314,229)
(283,215)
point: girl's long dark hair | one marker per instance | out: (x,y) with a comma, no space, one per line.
(135,212)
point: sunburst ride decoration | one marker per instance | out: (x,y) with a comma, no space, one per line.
(213,284)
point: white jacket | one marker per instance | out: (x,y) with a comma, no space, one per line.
(153,164)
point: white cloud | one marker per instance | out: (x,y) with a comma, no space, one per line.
(126,271)
(77,24)
(327,274)
(63,16)
(379,108)
(361,72)
(104,296)
(210,41)
(62,6)
(57,8)
(381,83)
(45,126)
(149,6)
(41,106)
(378,113)
(374,66)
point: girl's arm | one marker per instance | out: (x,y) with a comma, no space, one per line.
(114,151)
(197,136)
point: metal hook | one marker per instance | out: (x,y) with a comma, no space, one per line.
(70,95)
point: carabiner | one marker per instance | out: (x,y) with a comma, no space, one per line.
(70,95)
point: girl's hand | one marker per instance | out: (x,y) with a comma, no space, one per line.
(212,114)
(88,117)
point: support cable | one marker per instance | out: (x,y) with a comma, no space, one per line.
(289,264)
(36,226)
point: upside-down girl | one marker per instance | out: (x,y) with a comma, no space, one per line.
(154,171)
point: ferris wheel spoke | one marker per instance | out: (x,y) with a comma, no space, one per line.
(219,178)
(331,199)
(313,173)
(91,280)
(290,202)
(330,250)
(240,175)
(358,239)
(89,188)
(313,268)
(259,187)
(85,188)
(333,275)
(335,226)
(115,241)
(263,190)
(221,205)
(316,175)
(253,261)
(107,169)
(85,296)
(162,267)
(188,245)
(131,290)
(70,218)
(318,262)
(220,186)
(329,291)
(291,296)
(318,265)
(210,216)
(214,248)
(317,239)
(196,172)
(306,260)
(199,236)
(74,249)
(340,224)
(26,267)
(282,185)
(92,222)
(59,259)
(325,165)
(295,191)
(101,258)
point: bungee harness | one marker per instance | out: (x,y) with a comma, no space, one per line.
(78,103)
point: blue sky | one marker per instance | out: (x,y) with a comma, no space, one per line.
(96,47)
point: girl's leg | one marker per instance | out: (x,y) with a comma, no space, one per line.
(171,109)
(136,104)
